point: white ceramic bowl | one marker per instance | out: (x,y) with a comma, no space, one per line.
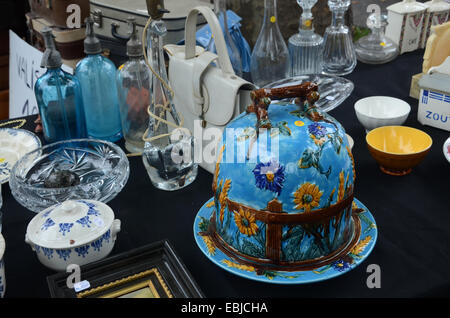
(378,111)
(73,232)
(2,267)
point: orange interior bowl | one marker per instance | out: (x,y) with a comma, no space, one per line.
(398,149)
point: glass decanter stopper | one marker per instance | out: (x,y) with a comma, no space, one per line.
(339,56)
(168,156)
(305,47)
(97,75)
(58,95)
(133,86)
(376,48)
(270,57)
(220,8)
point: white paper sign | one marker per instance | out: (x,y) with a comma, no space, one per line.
(24,70)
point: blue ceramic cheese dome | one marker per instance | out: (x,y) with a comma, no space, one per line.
(283,184)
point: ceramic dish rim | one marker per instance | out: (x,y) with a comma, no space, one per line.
(285,283)
(357,108)
(31,134)
(112,145)
(2,246)
(396,153)
(446,154)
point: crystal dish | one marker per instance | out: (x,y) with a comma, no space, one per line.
(98,170)
(333,90)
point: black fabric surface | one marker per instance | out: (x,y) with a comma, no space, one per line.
(412,213)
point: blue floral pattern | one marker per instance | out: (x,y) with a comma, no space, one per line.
(107,236)
(84,221)
(341,265)
(48,223)
(269,176)
(63,254)
(97,244)
(65,227)
(82,250)
(317,130)
(92,210)
(48,252)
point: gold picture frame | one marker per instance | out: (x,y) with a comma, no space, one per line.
(142,285)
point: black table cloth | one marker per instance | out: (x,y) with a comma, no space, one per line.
(412,214)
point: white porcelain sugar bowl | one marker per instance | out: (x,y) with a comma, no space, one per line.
(73,232)
(2,267)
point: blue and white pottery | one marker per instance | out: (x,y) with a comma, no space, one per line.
(2,267)
(283,197)
(14,143)
(74,232)
(357,255)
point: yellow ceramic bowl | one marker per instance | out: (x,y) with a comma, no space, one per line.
(398,149)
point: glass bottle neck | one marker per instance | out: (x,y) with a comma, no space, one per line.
(270,11)
(338,17)
(306,20)
(220,6)
(155,47)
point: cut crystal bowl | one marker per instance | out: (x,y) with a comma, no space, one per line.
(333,90)
(87,169)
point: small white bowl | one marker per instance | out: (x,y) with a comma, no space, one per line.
(378,111)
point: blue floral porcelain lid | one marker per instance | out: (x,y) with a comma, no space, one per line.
(304,163)
(70,224)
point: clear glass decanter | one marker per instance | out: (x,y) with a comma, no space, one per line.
(97,75)
(220,8)
(270,57)
(305,47)
(168,156)
(133,86)
(339,56)
(376,48)
(59,97)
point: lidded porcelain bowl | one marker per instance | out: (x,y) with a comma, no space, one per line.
(73,232)
(283,184)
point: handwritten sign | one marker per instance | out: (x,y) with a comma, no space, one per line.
(24,70)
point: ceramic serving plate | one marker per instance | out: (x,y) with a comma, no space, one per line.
(356,256)
(14,143)
(446,149)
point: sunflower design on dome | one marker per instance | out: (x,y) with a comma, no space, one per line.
(245,222)
(269,176)
(307,197)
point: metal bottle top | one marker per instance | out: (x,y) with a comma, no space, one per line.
(156,9)
(51,57)
(92,44)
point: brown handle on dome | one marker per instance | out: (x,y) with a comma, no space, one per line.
(301,91)
(307,91)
